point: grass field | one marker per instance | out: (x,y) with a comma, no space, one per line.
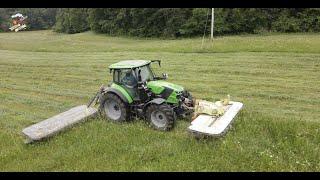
(277,77)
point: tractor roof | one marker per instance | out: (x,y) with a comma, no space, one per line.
(128,64)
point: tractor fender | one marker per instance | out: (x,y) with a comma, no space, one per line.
(154,101)
(116,92)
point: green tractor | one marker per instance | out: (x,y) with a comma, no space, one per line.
(136,91)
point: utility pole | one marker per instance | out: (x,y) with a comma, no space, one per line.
(212,22)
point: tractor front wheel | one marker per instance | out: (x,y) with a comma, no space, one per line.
(113,108)
(161,117)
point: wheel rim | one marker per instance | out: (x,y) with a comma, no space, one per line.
(112,109)
(158,118)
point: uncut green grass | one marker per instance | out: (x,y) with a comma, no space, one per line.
(276,76)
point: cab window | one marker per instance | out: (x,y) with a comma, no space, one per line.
(127,78)
(146,73)
(116,76)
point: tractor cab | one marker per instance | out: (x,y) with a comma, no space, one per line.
(133,76)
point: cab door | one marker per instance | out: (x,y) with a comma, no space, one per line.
(128,80)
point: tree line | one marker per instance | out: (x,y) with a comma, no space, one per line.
(170,22)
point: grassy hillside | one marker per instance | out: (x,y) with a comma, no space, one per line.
(277,77)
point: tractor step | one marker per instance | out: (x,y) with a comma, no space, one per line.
(209,125)
(57,123)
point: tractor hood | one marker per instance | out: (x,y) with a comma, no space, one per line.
(158,86)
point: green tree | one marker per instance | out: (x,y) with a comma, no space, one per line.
(71,20)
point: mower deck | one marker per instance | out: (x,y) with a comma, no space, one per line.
(215,126)
(59,122)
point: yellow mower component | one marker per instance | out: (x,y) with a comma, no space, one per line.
(213,118)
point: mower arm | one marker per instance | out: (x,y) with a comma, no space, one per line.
(94,99)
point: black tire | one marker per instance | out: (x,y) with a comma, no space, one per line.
(113,108)
(161,117)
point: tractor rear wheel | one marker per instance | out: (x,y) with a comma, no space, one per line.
(113,108)
(161,117)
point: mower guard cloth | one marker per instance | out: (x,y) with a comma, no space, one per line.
(215,126)
(58,122)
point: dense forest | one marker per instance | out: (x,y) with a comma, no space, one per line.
(167,22)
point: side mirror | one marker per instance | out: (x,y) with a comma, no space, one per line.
(159,62)
(164,75)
